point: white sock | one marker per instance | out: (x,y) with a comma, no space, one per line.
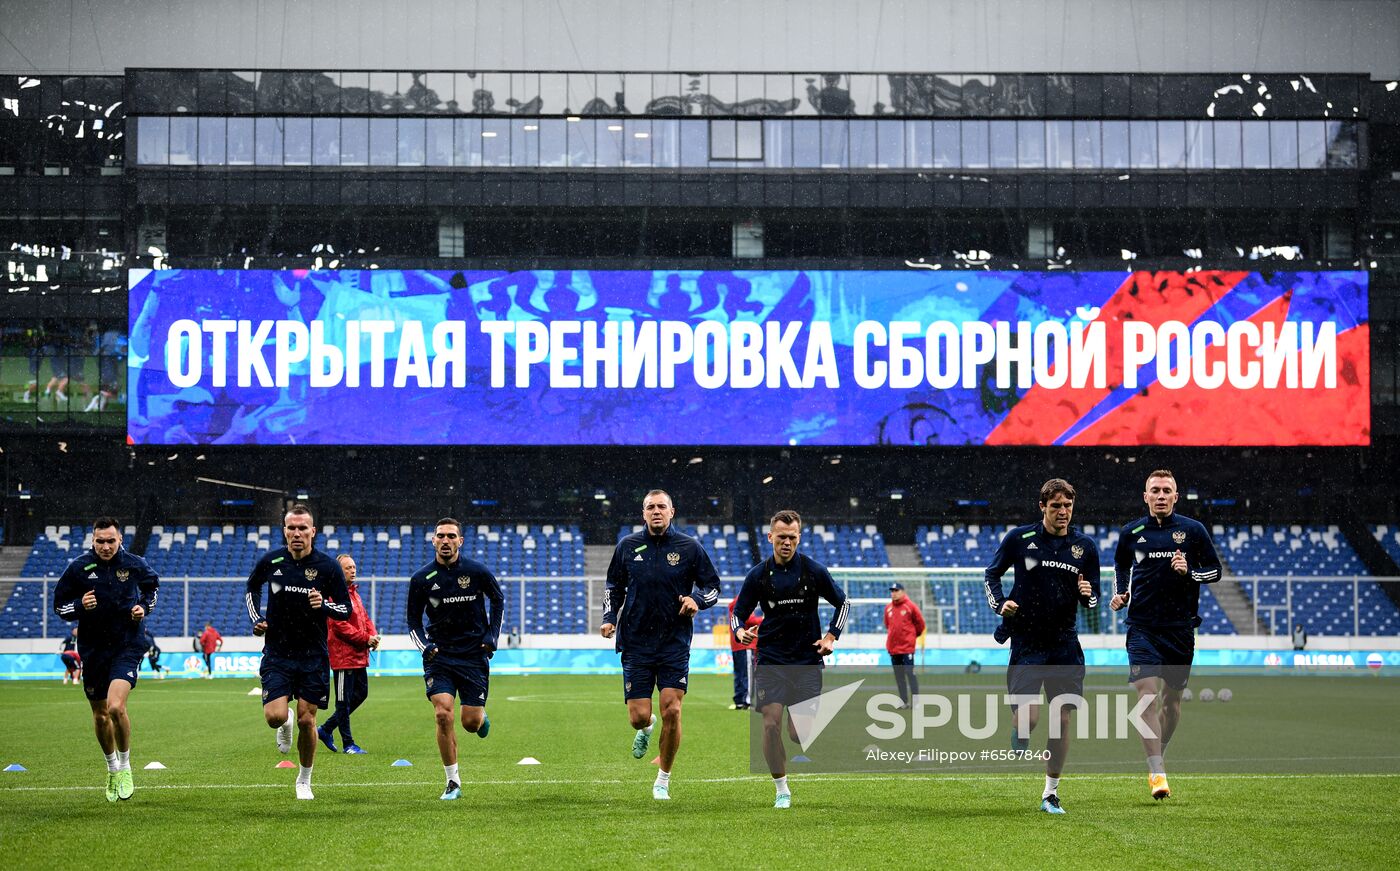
(781,784)
(123,760)
(1154,765)
(304,774)
(112,764)
(663,778)
(451,772)
(1052,786)
(649,727)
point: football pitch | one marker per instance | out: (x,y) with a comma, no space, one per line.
(1328,798)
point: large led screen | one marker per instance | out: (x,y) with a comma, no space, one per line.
(909,357)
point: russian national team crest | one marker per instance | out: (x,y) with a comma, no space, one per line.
(123,574)
(1076,551)
(464,582)
(673,558)
(311,575)
(1179,536)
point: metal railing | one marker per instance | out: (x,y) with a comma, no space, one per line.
(952,599)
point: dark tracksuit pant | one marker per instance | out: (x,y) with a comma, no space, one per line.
(351,687)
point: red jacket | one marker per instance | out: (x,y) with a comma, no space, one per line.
(753,621)
(349,639)
(209,639)
(904,623)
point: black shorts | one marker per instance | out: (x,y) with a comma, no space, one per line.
(462,675)
(305,679)
(641,675)
(1166,653)
(786,684)
(101,667)
(1057,665)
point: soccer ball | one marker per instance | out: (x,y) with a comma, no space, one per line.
(1186,694)
(1225,695)
(1207,696)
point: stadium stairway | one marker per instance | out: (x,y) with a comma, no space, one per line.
(1236,606)
(1370,551)
(903,556)
(12,560)
(596,558)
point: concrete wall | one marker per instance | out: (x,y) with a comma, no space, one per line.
(105,36)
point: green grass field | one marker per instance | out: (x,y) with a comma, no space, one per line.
(221,803)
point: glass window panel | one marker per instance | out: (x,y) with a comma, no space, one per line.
(240,141)
(267,144)
(383,98)
(301,92)
(695,143)
(354,141)
(430,91)
(582,141)
(413,147)
(635,94)
(437,89)
(665,142)
(583,88)
(863,144)
(835,145)
(524,142)
(722,146)
(1283,144)
(806,144)
(864,90)
(354,93)
(750,88)
(383,141)
(777,145)
(554,145)
(415,94)
(748,140)
(636,142)
(806,87)
(947,144)
(1143,137)
(919,144)
(974,144)
(184,140)
(1115,144)
(153,141)
(211,92)
(325,141)
(439,141)
(609,141)
(466,142)
(1003,139)
(1171,144)
(298,142)
(891,144)
(1342,145)
(524,96)
(211,141)
(1200,145)
(1227,144)
(723,88)
(1255,138)
(239,91)
(271,89)
(485,100)
(1059,144)
(777,89)
(1312,144)
(1088,144)
(463,85)
(1030,144)
(667,95)
(495,142)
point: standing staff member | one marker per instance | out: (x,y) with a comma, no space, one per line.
(350,642)
(904,623)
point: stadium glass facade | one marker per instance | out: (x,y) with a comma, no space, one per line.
(512,170)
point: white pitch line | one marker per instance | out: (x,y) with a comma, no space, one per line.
(815,778)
